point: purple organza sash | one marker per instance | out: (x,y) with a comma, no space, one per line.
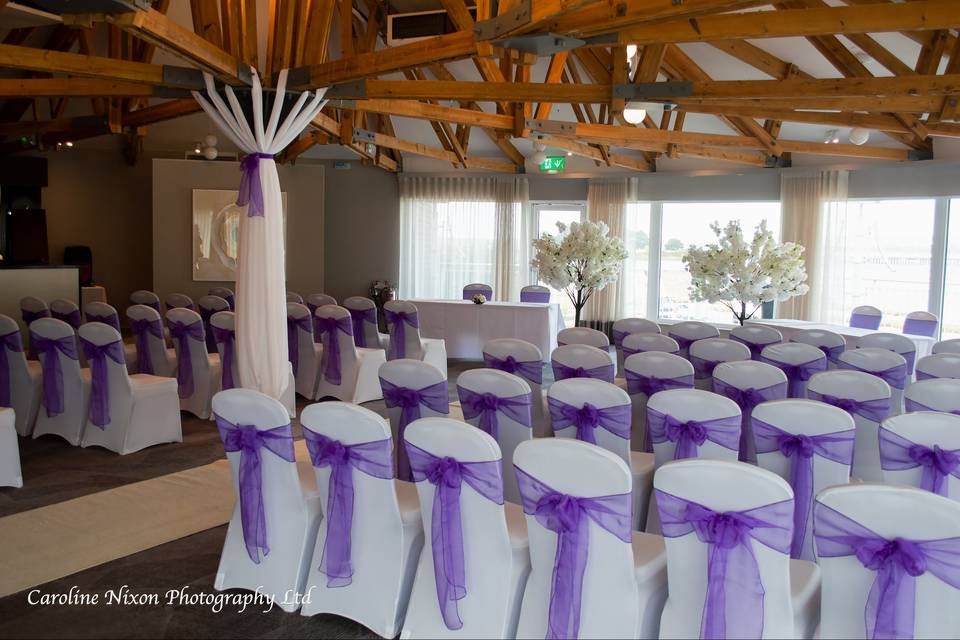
(140,328)
(912,405)
(734,602)
(29,316)
(649,385)
(873,410)
(435,397)
(747,399)
(562,372)
(446,529)
(569,517)
(251,191)
(205,315)
(923,375)
(690,435)
(358,317)
(183,333)
(898,453)
(398,337)
(489,405)
(918,327)
(153,304)
(683,343)
(539,297)
(293,340)
(109,319)
(755,347)
(800,449)
(618,337)
(327,329)
(531,370)
(895,376)
(227,339)
(832,353)
(627,352)
(72,318)
(231,301)
(587,418)
(97,355)
(797,374)
(864,321)
(249,441)
(911,358)
(52,372)
(891,603)
(13,342)
(373,458)
(703,368)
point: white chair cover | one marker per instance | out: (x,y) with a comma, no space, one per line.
(623,585)
(653,364)
(582,356)
(921,323)
(386,533)
(495,548)
(291,508)
(102,312)
(204,367)
(23,375)
(882,363)
(896,342)
(729,378)
(10,474)
(947,346)
(756,337)
(789,355)
(146,298)
(939,394)
(316,300)
(410,374)
(307,352)
(790,588)
(847,584)
(535,293)
(939,365)
(372,338)
(162,357)
(639,342)
(293,296)
(179,301)
(225,293)
(628,326)
(475,288)
(589,337)
(206,307)
(690,330)
(832,344)
(866,317)
(903,464)
(530,368)
(67,311)
(706,354)
(30,309)
(359,381)
(430,350)
(76,387)
(859,387)
(142,411)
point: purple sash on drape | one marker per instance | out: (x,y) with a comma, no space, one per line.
(912,405)
(649,385)
(703,368)
(97,355)
(690,435)
(373,458)
(109,319)
(569,517)
(891,603)
(52,373)
(747,399)
(326,329)
(755,347)
(918,327)
(562,372)
(800,449)
(205,315)
(898,453)
(13,342)
(246,439)
(434,396)
(873,410)
(226,338)
(539,297)
(587,418)
(398,338)
(531,370)
(446,529)
(864,321)
(72,318)
(734,602)
(797,374)
(293,339)
(140,328)
(358,317)
(251,191)
(488,405)
(895,376)
(183,333)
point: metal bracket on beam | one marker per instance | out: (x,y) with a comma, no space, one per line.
(244,73)
(920,154)
(782,162)
(342,104)
(364,135)
(542,44)
(170,92)
(540,128)
(652,90)
(608,39)
(347,90)
(183,77)
(297,77)
(516,16)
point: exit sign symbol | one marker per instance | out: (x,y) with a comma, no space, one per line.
(554,164)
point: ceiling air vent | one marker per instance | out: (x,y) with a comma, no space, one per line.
(403,28)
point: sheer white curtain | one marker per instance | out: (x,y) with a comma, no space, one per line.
(814,207)
(607,202)
(454,231)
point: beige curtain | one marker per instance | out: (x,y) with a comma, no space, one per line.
(607,202)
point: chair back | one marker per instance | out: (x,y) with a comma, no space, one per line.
(641,342)
(896,342)
(333,327)
(860,514)
(535,293)
(293,296)
(403,322)
(938,394)
(16,384)
(583,335)
(317,300)
(226,294)
(152,356)
(429,382)
(756,337)
(922,449)
(67,311)
(628,326)
(32,309)
(799,361)
(179,301)
(594,411)
(191,348)
(890,366)
(921,323)
(749,384)
(111,394)
(694,405)
(476,288)
(146,298)
(939,365)
(832,344)
(947,346)
(223,328)
(608,601)
(647,373)
(719,588)
(865,317)
(62,385)
(300,336)
(689,331)
(366,331)
(207,306)
(706,354)
(581,361)
(102,312)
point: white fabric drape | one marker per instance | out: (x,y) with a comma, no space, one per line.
(813,206)
(607,202)
(455,231)
(261,343)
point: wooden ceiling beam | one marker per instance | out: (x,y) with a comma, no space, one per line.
(168,110)
(73,87)
(19,57)
(758,58)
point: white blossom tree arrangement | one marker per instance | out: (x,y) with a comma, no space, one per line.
(741,274)
(579,260)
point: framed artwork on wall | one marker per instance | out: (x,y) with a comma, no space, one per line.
(216,234)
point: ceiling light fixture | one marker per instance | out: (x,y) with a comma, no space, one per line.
(858,136)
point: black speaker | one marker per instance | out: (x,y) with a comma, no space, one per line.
(81,256)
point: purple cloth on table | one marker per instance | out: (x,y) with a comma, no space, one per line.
(797,374)
(755,347)
(358,317)
(251,191)
(327,329)
(52,372)
(898,453)
(13,342)
(227,339)
(539,297)
(398,337)
(873,410)
(747,399)
(912,405)
(733,607)
(531,370)
(249,441)
(293,339)
(569,517)
(97,355)
(183,333)
(109,319)
(865,321)
(446,528)
(690,435)
(489,405)
(703,368)
(435,397)
(587,418)
(895,376)
(649,385)
(800,449)
(373,458)
(919,327)
(72,318)
(205,315)
(562,372)
(891,603)
(140,328)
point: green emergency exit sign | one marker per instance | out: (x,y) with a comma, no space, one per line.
(554,165)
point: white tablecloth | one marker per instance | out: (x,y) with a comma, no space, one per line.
(466,326)
(850,334)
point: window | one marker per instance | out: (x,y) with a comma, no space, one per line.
(951,288)
(635,276)
(547,216)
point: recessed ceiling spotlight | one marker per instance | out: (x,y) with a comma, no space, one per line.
(569,153)
(831,137)
(68,143)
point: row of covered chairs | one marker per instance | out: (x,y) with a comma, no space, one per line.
(530,293)
(918,323)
